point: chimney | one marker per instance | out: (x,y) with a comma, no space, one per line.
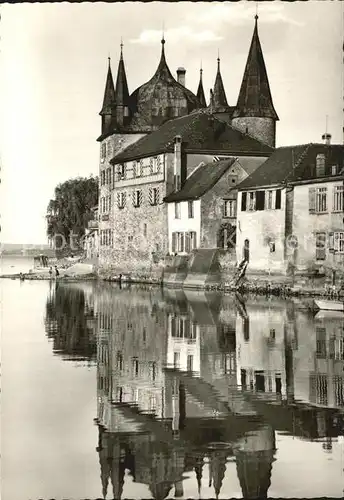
(177,162)
(327,138)
(181,76)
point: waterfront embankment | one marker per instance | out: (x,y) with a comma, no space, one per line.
(183,272)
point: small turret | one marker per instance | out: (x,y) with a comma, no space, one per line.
(200,91)
(121,94)
(255,113)
(220,106)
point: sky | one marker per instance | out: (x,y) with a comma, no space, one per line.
(54,61)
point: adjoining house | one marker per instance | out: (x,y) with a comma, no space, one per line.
(202,213)
(290,210)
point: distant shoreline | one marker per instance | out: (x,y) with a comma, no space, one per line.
(27,253)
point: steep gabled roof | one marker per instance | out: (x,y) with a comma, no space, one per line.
(200,92)
(219,103)
(200,132)
(201,180)
(255,96)
(121,91)
(109,94)
(294,164)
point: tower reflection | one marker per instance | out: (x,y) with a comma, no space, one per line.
(169,408)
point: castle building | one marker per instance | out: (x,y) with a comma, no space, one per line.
(152,139)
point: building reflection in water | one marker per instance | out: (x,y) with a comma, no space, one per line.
(70,322)
(189,382)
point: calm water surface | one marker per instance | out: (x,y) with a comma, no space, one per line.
(144,393)
(15,264)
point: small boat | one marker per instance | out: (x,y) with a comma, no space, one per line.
(330,305)
(323,314)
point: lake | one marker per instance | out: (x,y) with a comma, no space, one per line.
(15,264)
(142,392)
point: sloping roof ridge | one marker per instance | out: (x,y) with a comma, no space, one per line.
(300,159)
(327,145)
(201,164)
(241,165)
(294,146)
(230,162)
(225,163)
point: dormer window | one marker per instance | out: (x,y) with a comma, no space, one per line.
(334,169)
(320,165)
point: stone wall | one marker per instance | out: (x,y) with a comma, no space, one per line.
(212,211)
(306,225)
(135,326)
(263,129)
(114,144)
(138,232)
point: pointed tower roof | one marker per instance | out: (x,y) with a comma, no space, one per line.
(198,469)
(220,99)
(117,478)
(200,91)
(255,96)
(109,94)
(105,462)
(254,473)
(218,468)
(121,92)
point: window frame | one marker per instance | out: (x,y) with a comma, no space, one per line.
(137,198)
(251,201)
(320,251)
(232,212)
(269,199)
(338,198)
(191,209)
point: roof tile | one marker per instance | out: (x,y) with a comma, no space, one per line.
(201,180)
(200,131)
(293,164)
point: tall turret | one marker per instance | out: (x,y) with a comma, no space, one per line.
(108,103)
(121,94)
(200,91)
(255,113)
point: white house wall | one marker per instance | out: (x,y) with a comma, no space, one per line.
(184,224)
(260,352)
(259,227)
